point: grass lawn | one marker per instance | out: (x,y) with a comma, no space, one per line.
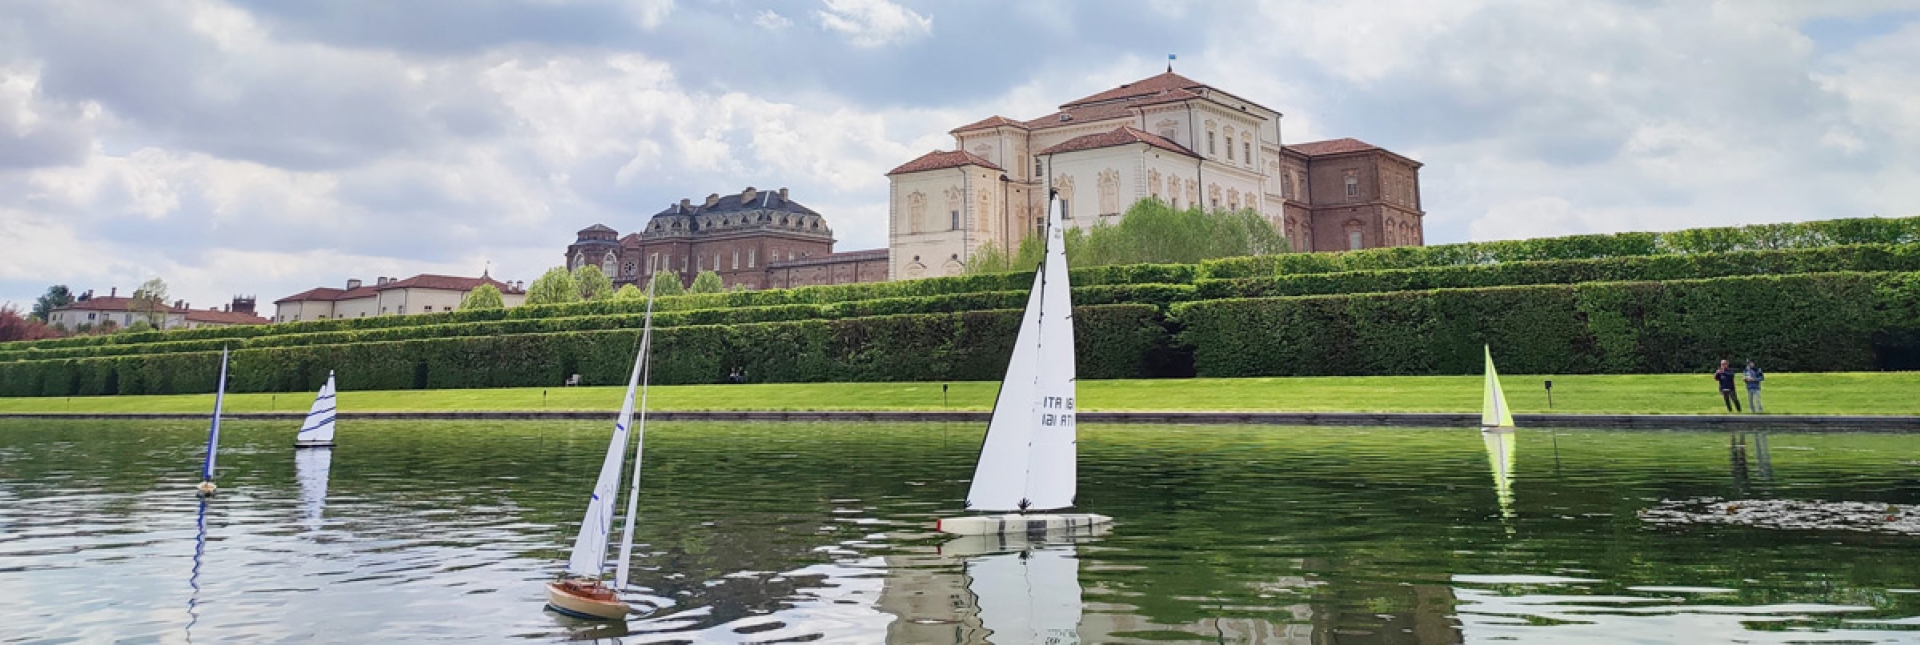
(1884,393)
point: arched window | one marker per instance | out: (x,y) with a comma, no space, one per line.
(1353,240)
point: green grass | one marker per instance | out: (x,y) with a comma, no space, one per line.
(1880,393)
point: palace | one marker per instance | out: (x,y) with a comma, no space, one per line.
(753,239)
(1166,137)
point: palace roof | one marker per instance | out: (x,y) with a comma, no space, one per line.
(1152,85)
(1332,147)
(939,159)
(1123,135)
(989,122)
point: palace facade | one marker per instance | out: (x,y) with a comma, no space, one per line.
(1166,137)
(753,239)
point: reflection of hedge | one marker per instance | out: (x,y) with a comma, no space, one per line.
(1759,237)
(1814,322)
(1113,342)
(1872,257)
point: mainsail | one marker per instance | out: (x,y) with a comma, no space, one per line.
(589,556)
(213,433)
(318,427)
(640,443)
(1027,462)
(1493,408)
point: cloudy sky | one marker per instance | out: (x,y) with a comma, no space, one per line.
(264,147)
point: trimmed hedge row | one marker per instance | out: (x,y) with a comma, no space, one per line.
(1866,257)
(1113,341)
(1758,237)
(1812,322)
(816,295)
(1157,295)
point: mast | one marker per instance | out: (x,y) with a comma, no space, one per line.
(589,557)
(213,433)
(640,444)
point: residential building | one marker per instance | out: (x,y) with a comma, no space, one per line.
(113,310)
(753,239)
(420,294)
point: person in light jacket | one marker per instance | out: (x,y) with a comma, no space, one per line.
(1753,377)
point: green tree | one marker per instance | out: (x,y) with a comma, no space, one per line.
(1149,232)
(485,296)
(629,292)
(667,283)
(57,296)
(594,284)
(139,325)
(708,282)
(150,302)
(555,287)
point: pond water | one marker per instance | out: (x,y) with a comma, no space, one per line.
(819,533)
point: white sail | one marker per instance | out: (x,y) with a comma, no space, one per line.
(1027,462)
(1028,596)
(639,443)
(1494,412)
(213,433)
(318,428)
(311,467)
(589,558)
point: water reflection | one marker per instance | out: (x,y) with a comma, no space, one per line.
(1738,461)
(193,579)
(1500,445)
(311,466)
(1010,589)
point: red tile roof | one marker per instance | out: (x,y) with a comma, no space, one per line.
(422,281)
(939,159)
(316,293)
(1123,135)
(110,303)
(1144,87)
(226,318)
(1332,147)
(989,122)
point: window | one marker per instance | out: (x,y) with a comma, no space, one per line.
(750,253)
(1353,184)
(1065,211)
(1286,185)
(955,225)
(1215,202)
(1246,150)
(1229,148)
(428,308)
(736,259)
(402,309)
(90,315)
(1353,240)
(1210,149)
(1036,167)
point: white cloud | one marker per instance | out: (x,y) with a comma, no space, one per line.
(772,20)
(872,23)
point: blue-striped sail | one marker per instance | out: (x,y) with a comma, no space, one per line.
(589,557)
(317,430)
(213,434)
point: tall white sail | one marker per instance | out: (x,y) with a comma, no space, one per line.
(213,433)
(639,443)
(318,428)
(1494,412)
(589,556)
(1027,462)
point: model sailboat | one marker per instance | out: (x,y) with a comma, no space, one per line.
(317,430)
(1027,465)
(206,486)
(582,593)
(1494,413)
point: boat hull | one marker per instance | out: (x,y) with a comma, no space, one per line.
(1017,523)
(594,602)
(313,444)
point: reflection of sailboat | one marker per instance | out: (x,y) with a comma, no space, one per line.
(1494,412)
(1026,586)
(1027,462)
(193,580)
(582,593)
(1500,444)
(206,486)
(317,430)
(311,468)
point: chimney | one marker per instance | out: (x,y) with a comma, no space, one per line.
(86,296)
(684,205)
(178,304)
(748,195)
(713,198)
(353,283)
(783,194)
(113,292)
(225,309)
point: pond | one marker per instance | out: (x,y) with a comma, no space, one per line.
(411,531)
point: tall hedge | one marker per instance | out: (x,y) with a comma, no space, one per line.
(1812,322)
(1113,341)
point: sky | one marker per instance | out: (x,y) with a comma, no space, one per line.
(264,147)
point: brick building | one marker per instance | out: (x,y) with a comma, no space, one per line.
(753,239)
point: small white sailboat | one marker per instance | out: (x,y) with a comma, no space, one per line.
(317,430)
(1494,413)
(581,592)
(206,486)
(1027,466)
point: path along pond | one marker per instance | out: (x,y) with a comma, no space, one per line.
(820,533)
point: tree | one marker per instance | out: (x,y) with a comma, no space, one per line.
(57,296)
(150,302)
(14,326)
(708,282)
(629,292)
(485,296)
(594,284)
(555,287)
(667,283)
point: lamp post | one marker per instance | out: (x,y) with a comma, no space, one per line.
(1549,394)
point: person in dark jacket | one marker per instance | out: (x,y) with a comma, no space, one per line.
(1725,376)
(1753,377)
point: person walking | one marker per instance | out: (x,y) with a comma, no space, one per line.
(1725,376)
(1753,377)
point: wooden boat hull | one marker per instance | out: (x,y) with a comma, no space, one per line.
(313,444)
(594,602)
(1012,523)
(206,489)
